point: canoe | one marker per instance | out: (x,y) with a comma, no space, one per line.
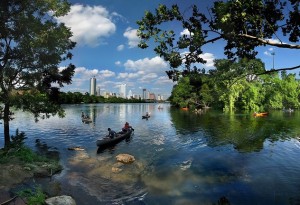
(260,114)
(106,141)
(184,108)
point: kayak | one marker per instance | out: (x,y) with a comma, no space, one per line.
(260,114)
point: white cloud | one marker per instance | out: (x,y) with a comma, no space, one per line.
(138,74)
(107,73)
(120,47)
(86,74)
(118,63)
(131,35)
(148,77)
(89,24)
(185,32)
(164,80)
(147,65)
(269,52)
(82,71)
(122,75)
(209,57)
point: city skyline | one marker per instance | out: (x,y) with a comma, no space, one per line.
(146,95)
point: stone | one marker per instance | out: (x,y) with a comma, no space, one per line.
(116,169)
(125,158)
(60,200)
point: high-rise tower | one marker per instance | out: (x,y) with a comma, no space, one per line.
(144,94)
(93,86)
(123,90)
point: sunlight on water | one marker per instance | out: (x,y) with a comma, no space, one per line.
(180,158)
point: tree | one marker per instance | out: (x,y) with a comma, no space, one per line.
(242,24)
(32,45)
(181,92)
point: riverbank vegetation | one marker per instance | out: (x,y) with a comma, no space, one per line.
(77,98)
(42,160)
(18,162)
(231,87)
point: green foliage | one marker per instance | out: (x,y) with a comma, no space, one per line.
(76,98)
(33,197)
(242,24)
(18,139)
(32,46)
(17,150)
(231,86)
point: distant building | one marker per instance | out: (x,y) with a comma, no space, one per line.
(130,95)
(151,96)
(144,94)
(148,95)
(123,90)
(135,96)
(98,91)
(160,97)
(93,86)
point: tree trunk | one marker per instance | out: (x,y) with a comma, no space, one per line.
(6,125)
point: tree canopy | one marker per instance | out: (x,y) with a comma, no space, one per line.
(32,45)
(242,24)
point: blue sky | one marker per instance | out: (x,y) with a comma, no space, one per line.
(105,32)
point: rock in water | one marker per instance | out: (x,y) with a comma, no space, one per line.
(60,200)
(125,158)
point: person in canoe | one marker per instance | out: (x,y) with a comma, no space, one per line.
(127,127)
(111,133)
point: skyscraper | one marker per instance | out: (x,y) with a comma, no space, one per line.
(93,86)
(130,95)
(144,94)
(98,91)
(123,90)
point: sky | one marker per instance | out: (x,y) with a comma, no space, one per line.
(105,33)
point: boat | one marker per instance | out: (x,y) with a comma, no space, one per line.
(107,141)
(184,108)
(260,114)
(145,116)
(86,120)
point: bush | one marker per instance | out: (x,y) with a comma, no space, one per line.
(33,197)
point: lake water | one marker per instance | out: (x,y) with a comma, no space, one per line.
(180,157)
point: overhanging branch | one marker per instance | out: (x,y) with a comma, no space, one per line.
(268,42)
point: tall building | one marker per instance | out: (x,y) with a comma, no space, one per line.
(151,96)
(98,91)
(144,94)
(93,86)
(123,90)
(130,95)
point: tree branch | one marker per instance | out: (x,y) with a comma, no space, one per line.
(264,41)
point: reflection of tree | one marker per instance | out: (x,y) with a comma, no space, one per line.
(243,131)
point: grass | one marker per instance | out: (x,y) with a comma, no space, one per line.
(33,197)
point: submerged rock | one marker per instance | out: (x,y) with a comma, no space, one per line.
(125,158)
(60,200)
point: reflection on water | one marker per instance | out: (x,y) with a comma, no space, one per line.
(181,158)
